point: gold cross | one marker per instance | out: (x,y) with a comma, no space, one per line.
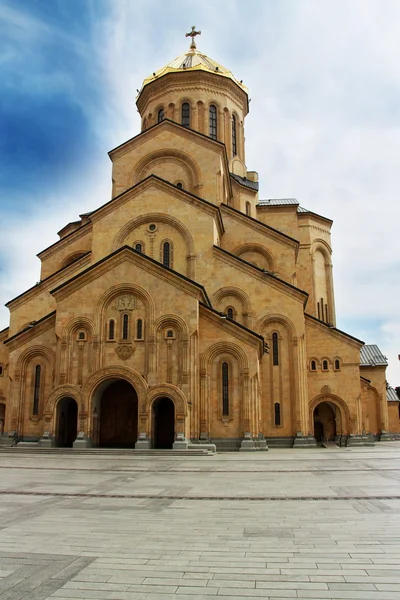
(192,34)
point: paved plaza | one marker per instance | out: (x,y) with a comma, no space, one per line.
(310,524)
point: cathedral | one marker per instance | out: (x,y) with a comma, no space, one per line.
(186,312)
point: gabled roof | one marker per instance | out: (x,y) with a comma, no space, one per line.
(264,274)
(371,356)
(290,202)
(251,221)
(142,257)
(31,328)
(239,329)
(252,185)
(333,329)
(391,395)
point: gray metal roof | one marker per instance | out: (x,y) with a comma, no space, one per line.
(371,356)
(253,185)
(279,202)
(301,209)
(391,395)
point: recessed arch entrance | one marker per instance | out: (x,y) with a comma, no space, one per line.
(324,420)
(66,422)
(163,422)
(115,414)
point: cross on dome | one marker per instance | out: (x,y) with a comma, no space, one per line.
(192,34)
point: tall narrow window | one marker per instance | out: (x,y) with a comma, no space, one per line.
(324,365)
(230,313)
(277,409)
(213,122)
(111,329)
(139,329)
(36,391)
(185,120)
(1,370)
(125,327)
(138,247)
(234,143)
(248,209)
(160,116)
(337,365)
(225,388)
(313,365)
(166,254)
(275,349)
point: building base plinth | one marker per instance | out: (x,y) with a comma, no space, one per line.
(82,442)
(355,440)
(304,441)
(247,444)
(46,441)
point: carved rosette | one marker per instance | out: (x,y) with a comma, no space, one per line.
(326,389)
(125,351)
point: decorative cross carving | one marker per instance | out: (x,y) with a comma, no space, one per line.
(192,34)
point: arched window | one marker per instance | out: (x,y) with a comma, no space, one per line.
(166,254)
(230,313)
(275,349)
(179,185)
(277,410)
(138,247)
(225,388)
(36,390)
(248,209)
(139,329)
(324,365)
(185,120)
(81,335)
(111,329)
(160,116)
(1,370)
(234,143)
(313,365)
(125,327)
(170,333)
(337,365)
(213,122)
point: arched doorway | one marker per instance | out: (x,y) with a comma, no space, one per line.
(325,422)
(118,415)
(163,422)
(2,418)
(67,422)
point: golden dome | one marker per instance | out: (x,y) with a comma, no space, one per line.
(193,60)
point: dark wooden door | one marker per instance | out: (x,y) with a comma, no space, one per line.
(318,431)
(118,416)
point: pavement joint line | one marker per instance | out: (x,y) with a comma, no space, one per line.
(180,497)
(216,471)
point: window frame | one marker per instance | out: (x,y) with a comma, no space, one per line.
(37,386)
(139,328)
(277,415)
(225,404)
(160,114)
(234,136)
(275,349)
(125,329)
(213,122)
(185,119)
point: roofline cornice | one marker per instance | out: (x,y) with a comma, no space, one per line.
(38,288)
(65,241)
(147,182)
(221,81)
(238,330)
(32,331)
(263,275)
(118,256)
(262,227)
(313,321)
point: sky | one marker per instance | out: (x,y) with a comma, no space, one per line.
(324,123)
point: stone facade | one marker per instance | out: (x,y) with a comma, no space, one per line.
(186,310)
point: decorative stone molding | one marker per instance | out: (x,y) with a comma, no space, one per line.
(125,351)
(126,302)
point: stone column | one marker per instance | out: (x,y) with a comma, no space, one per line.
(247,444)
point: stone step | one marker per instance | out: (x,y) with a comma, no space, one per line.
(105,451)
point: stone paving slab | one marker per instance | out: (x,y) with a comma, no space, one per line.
(310,524)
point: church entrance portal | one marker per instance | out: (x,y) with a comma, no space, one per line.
(118,416)
(324,423)
(163,423)
(67,422)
